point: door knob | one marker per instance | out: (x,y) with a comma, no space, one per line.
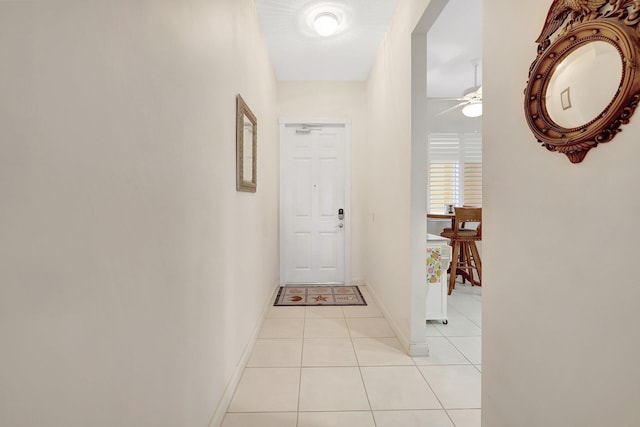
(340,225)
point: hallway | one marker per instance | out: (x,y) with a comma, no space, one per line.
(335,366)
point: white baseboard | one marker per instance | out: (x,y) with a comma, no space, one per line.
(225,401)
(419,350)
(404,341)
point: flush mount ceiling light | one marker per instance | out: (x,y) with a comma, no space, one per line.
(474,109)
(325,24)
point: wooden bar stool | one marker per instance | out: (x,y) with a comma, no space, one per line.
(465,257)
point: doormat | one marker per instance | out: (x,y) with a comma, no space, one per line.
(319,295)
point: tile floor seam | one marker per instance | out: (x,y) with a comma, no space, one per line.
(304,322)
(399,410)
(366,393)
(364,386)
(465,312)
(432,390)
(460,351)
(450,418)
(470,319)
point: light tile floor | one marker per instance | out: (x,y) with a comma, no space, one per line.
(343,366)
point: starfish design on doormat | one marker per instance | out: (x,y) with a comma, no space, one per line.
(319,298)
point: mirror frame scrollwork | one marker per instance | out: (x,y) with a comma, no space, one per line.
(243,112)
(575,23)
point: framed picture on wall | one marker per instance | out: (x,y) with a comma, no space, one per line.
(246,147)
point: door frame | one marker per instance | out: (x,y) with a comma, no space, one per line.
(418,345)
(347,188)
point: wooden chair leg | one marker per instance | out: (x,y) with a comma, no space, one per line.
(477,261)
(462,261)
(454,266)
(468,261)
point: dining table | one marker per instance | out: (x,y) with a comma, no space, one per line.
(442,216)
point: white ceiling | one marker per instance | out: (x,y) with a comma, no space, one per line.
(454,41)
(298,53)
(454,44)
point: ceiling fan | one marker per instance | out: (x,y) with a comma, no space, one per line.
(470,102)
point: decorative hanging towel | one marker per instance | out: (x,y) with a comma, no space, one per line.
(434,265)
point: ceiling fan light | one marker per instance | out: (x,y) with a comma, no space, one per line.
(473,109)
(325,24)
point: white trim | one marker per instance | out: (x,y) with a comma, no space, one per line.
(419,178)
(347,202)
(347,186)
(227,396)
(417,343)
(412,349)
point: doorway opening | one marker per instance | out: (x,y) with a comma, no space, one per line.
(446,144)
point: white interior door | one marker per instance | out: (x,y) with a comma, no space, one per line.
(313,208)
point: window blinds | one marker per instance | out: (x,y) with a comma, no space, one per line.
(455,170)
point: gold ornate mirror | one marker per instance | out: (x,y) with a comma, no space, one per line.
(246,147)
(584,85)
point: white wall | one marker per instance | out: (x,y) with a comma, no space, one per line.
(336,100)
(560,301)
(388,169)
(132,274)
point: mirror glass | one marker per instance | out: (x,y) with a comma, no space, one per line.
(247,150)
(584,84)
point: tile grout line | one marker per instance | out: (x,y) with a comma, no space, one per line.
(460,351)
(463,355)
(464,336)
(304,323)
(355,353)
(463,314)
(434,393)
(342,314)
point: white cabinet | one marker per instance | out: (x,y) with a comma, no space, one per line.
(438,257)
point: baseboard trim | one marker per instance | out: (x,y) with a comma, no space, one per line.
(227,396)
(404,341)
(418,350)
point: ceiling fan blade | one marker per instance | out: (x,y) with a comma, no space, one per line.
(452,108)
(446,99)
